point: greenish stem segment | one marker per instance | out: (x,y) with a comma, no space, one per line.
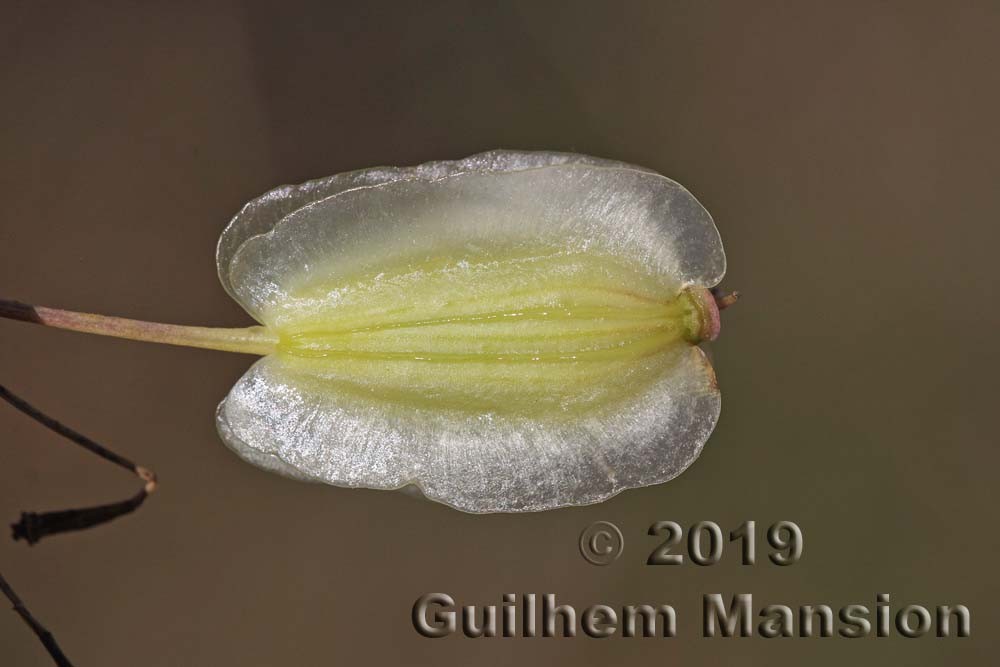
(248,340)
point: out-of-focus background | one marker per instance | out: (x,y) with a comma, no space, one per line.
(848,151)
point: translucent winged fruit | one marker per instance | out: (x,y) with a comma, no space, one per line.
(512,331)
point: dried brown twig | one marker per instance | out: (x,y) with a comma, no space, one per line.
(34,526)
(44,636)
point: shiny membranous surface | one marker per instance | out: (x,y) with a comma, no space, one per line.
(514,331)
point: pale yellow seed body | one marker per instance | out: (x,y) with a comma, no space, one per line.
(512,330)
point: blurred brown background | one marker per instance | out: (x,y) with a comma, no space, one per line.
(848,151)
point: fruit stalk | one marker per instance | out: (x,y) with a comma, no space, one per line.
(247,340)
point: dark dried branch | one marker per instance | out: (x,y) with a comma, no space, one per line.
(64,431)
(34,526)
(44,636)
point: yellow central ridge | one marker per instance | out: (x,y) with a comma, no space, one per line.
(516,330)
